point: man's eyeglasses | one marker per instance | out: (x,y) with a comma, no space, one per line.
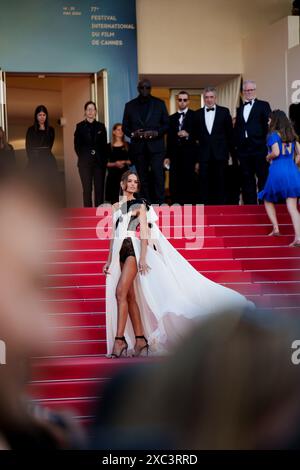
(251,89)
(183,99)
(144,87)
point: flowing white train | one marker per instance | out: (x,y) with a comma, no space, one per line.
(171,296)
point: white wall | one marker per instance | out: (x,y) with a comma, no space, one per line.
(199,36)
(265,60)
(293,75)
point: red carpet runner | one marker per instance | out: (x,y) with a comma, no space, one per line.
(237,253)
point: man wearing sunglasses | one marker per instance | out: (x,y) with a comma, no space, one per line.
(181,152)
(145,122)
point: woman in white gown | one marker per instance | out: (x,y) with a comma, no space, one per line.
(147,279)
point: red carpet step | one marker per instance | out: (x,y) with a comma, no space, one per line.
(235,250)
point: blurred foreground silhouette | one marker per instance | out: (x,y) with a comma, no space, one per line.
(26,217)
(230,385)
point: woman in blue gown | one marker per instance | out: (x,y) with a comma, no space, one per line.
(284,175)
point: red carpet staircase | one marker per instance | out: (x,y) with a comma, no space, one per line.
(237,253)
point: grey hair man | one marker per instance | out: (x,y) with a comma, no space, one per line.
(251,129)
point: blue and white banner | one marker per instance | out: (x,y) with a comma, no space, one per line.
(76,36)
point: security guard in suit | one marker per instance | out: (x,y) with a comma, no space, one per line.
(90,142)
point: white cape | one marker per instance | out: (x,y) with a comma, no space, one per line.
(171,296)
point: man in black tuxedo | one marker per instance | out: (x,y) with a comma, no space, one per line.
(90,142)
(214,132)
(181,152)
(251,129)
(145,122)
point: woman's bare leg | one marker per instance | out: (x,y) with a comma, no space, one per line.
(271,211)
(292,207)
(128,273)
(135,317)
(134,313)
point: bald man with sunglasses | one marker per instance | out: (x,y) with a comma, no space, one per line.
(146,122)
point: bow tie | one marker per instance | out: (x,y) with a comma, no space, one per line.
(209,109)
(247,102)
(181,114)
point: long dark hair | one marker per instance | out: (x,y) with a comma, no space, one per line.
(124,178)
(113,139)
(41,109)
(283,126)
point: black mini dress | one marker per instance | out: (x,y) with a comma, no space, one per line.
(127,246)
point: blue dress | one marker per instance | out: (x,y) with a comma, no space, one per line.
(284,175)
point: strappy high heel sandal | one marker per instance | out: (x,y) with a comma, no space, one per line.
(275,233)
(123,351)
(296,243)
(138,351)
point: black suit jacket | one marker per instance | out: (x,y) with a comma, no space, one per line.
(220,142)
(157,119)
(177,144)
(256,127)
(85,143)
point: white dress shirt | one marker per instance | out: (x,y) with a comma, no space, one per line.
(209,118)
(246,113)
(182,116)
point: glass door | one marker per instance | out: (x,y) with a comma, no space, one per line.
(99,93)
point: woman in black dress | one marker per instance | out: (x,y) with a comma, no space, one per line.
(39,142)
(117,165)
